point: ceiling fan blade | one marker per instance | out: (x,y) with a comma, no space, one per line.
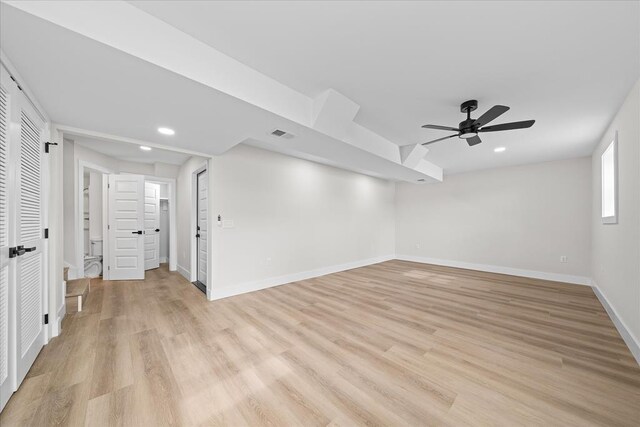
(440,127)
(508,126)
(474,140)
(440,139)
(491,114)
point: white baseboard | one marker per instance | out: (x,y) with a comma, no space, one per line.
(62,311)
(184,272)
(632,342)
(72,274)
(556,277)
(257,285)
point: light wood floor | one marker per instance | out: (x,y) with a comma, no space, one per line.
(391,344)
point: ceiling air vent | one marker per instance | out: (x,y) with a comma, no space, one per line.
(282,134)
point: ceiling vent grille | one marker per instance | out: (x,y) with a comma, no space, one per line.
(282,134)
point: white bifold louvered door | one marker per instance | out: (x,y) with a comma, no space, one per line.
(7,361)
(151,225)
(126,225)
(22,307)
(30,241)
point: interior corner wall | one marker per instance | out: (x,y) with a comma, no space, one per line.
(616,247)
(293,218)
(516,220)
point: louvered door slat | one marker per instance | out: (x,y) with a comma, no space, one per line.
(4,238)
(30,198)
(30,298)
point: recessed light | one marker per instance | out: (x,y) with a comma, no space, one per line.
(499,149)
(166,131)
(145,148)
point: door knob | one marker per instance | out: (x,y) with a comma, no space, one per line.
(157,230)
(30,249)
(137,232)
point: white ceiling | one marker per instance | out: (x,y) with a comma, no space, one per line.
(96,87)
(568,65)
(131,152)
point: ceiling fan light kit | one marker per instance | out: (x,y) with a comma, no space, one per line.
(468,129)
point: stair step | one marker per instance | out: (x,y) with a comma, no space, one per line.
(77,287)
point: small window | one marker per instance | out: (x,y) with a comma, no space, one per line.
(610,183)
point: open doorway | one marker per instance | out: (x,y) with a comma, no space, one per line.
(124,211)
(201,228)
(92,221)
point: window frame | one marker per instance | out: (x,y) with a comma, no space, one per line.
(612,219)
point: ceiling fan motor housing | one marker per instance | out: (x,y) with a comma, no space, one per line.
(467,129)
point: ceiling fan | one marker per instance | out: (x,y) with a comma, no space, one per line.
(468,129)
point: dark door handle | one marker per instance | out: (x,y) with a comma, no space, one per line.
(18,251)
(137,232)
(157,230)
(197,236)
(30,249)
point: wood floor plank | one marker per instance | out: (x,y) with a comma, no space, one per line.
(396,343)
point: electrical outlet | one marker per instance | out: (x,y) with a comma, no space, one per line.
(563,258)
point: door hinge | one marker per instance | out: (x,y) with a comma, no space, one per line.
(109,267)
(47,144)
(16,82)
(46,319)
(108,185)
(46,233)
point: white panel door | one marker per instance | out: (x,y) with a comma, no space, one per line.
(125,227)
(151,225)
(202,227)
(30,257)
(7,358)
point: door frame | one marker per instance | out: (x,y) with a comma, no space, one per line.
(78,205)
(173,241)
(193,273)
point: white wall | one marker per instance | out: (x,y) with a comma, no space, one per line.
(522,217)
(164,190)
(616,247)
(165,170)
(293,216)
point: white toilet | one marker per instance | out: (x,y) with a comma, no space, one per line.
(93,262)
